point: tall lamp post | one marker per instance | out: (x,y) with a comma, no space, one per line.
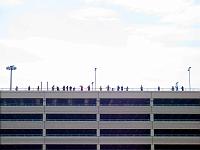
(11,68)
(189,78)
(95,79)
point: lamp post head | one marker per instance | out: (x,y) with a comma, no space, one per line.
(14,68)
(7,68)
(11,67)
(189,68)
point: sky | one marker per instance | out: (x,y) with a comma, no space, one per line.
(130,42)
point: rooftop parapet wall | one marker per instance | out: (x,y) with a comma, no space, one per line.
(100,94)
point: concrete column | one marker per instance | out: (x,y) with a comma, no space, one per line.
(152,124)
(152,147)
(43,147)
(98,121)
(98,146)
(44,124)
(152,133)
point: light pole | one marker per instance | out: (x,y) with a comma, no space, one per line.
(189,78)
(95,78)
(11,68)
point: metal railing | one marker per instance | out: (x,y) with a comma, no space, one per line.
(127,104)
(125,134)
(99,89)
(20,135)
(175,135)
(185,105)
(175,120)
(71,120)
(125,120)
(71,135)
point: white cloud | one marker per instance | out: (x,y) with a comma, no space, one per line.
(12,54)
(94,14)
(11,2)
(167,35)
(158,7)
(98,28)
(176,19)
(181,12)
(188,17)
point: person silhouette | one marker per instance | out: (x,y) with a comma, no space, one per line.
(122,88)
(176,86)
(182,88)
(16,89)
(158,88)
(172,88)
(108,88)
(88,88)
(118,88)
(127,88)
(100,88)
(141,88)
(81,88)
(70,88)
(63,88)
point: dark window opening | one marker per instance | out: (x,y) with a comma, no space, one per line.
(21,102)
(21,132)
(177,117)
(124,117)
(177,147)
(20,147)
(71,117)
(125,147)
(70,147)
(125,102)
(71,132)
(21,117)
(71,102)
(177,132)
(176,102)
(125,132)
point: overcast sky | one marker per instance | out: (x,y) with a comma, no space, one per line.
(130,42)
